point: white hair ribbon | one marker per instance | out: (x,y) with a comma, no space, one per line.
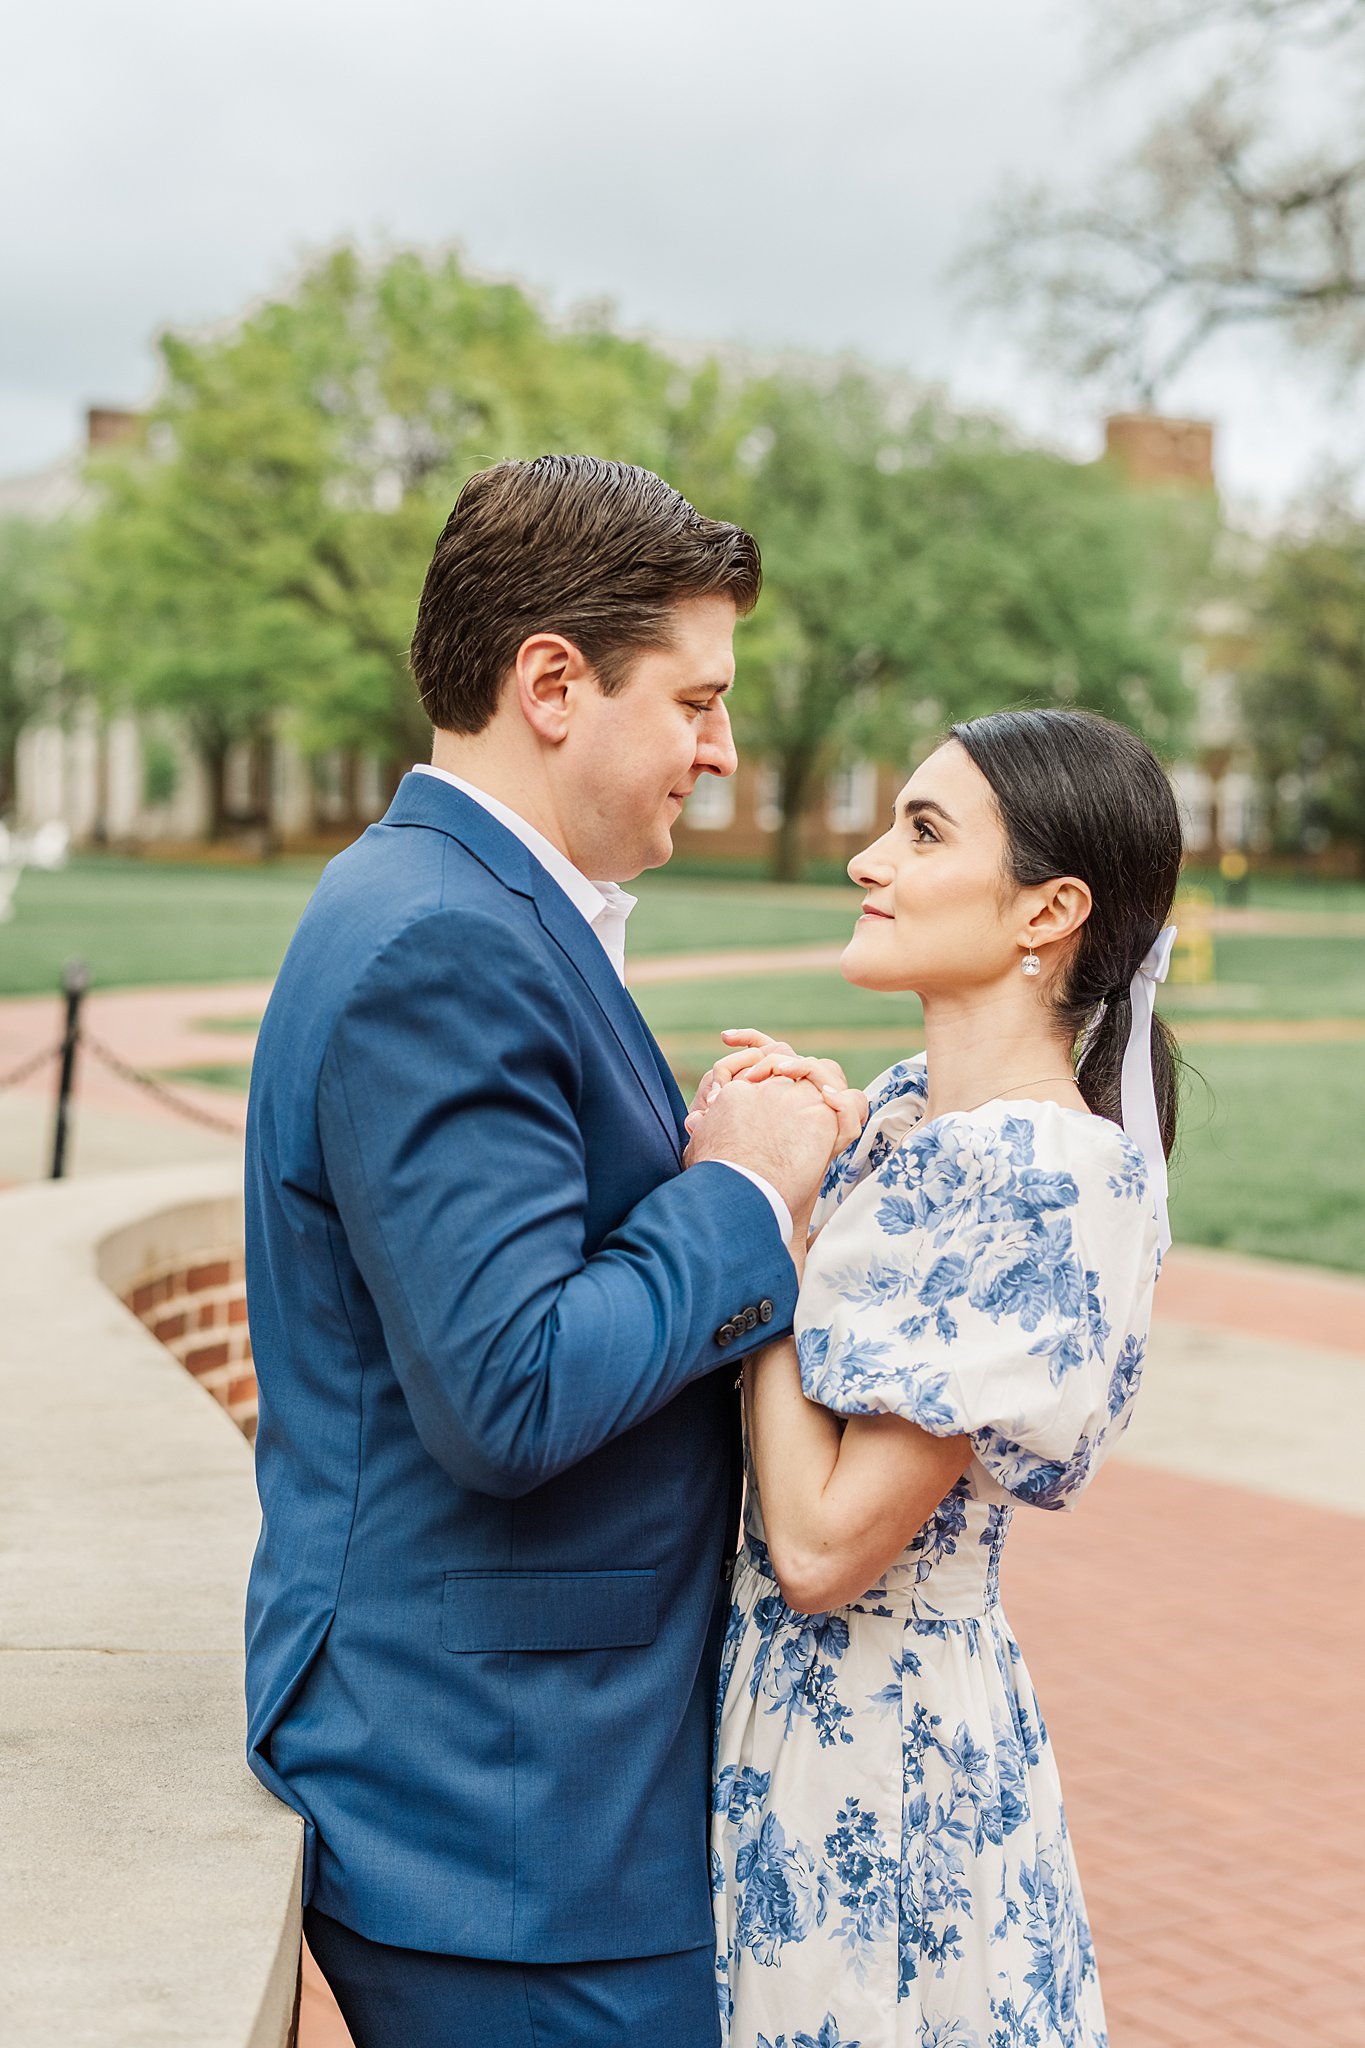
(1137,1089)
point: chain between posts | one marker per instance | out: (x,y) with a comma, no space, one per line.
(78,1038)
(26,1069)
(157,1089)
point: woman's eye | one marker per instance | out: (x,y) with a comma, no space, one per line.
(924,830)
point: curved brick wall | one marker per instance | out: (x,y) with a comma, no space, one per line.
(195,1304)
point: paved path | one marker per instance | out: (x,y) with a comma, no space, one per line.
(1197,1652)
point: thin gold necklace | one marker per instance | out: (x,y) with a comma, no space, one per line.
(1038,1080)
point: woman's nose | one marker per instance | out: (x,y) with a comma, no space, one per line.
(867,870)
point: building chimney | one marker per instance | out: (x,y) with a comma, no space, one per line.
(111,426)
(1151,450)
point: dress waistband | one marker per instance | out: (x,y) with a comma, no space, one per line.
(958,1580)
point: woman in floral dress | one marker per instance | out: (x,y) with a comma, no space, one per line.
(890,1853)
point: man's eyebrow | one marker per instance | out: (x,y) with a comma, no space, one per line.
(916,806)
(708,689)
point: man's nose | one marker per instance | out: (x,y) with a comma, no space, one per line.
(716,745)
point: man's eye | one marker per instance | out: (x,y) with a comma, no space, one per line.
(697,707)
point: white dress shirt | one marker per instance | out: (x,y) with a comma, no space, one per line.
(605,906)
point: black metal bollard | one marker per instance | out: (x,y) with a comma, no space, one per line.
(75,982)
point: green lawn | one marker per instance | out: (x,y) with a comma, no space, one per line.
(139,924)
(1279,978)
(1285,892)
(1272,1155)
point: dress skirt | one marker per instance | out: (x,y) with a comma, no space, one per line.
(890,1856)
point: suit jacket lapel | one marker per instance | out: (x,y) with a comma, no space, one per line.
(426,800)
(571,932)
(671,1089)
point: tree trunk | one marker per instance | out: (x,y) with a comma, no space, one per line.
(796,766)
(99,830)
(394,768)
(263,793)
(350,790)
(215,755)
(9,773)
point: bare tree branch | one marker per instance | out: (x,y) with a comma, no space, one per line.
(1132,29)
(1210,225)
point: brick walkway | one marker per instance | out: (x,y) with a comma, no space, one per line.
(1197,1651)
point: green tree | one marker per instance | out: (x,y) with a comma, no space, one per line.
(259,557)
(32,664)
(919,569)
(1304,694)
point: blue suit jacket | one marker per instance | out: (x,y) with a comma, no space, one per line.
(497,1446)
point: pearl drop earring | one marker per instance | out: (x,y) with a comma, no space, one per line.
(1030,964)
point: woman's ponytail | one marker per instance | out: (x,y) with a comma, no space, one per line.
(1100,1072)
(1079,795)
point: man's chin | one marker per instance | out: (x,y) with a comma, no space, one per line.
(660,851)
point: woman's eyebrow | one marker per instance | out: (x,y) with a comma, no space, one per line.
(916,806)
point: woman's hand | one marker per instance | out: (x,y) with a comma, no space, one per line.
(757,1057)
(754,1044)
(771,1059)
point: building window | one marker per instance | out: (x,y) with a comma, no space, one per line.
(851,797)
(1237,809)
(768,799)
(711,806)
(1195,799)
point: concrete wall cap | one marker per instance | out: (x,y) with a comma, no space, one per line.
(148,1885)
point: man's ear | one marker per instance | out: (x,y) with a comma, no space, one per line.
(548,671)
(1061,909)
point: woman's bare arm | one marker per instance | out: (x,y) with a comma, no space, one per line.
(840,1500)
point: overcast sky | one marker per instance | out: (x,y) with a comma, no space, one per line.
(774,172)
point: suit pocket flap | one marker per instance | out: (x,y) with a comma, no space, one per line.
(547,1610)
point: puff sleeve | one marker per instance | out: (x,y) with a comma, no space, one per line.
(990,1279)
(895,1100)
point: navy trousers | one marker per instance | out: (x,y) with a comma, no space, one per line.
(407,1998)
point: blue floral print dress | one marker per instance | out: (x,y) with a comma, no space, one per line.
(890,1856)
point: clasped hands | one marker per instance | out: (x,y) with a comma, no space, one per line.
(778,1112)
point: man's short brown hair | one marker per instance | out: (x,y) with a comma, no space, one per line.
(598,551)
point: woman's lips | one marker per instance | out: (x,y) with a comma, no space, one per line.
(868,911)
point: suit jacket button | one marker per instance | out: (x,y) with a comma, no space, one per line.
(751,1318)
(725,1335)
(765,1311)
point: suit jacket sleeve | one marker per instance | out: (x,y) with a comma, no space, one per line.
(448,1116)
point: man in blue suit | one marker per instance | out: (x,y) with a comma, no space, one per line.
(496,1325)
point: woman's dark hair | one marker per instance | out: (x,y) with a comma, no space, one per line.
(1079,795)
(598,551)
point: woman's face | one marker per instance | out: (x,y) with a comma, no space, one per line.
(940,913)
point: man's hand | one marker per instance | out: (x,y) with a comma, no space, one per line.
(782,1119)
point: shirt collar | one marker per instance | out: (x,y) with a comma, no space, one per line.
(594,900)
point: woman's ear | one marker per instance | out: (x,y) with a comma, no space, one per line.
(1063,909)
